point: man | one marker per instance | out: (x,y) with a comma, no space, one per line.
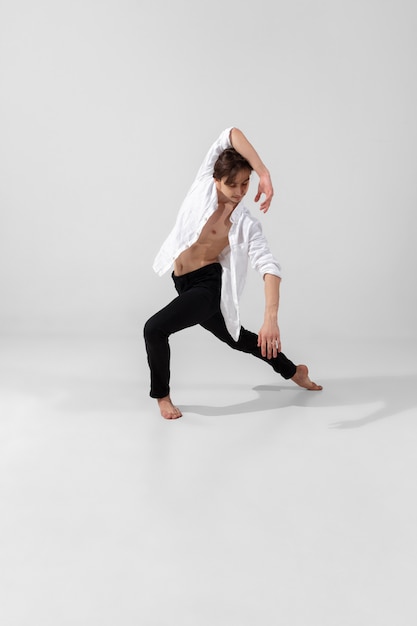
(209,246)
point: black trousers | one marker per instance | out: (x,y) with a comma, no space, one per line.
(198,302)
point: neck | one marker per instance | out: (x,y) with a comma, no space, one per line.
(226,207)
(225,204)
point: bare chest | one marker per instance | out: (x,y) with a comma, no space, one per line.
(212,240)
(215,230)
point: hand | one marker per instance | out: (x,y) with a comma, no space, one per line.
(265,187)
(269,340)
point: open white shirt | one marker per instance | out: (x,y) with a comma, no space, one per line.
(246,240)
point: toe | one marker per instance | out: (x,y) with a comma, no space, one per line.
(316,387)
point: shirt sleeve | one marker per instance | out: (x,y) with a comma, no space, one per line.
(261,258)
(222,143)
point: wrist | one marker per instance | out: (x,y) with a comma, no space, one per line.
(262,171)
(271,316)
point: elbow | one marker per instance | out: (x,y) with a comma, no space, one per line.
(272,277)
(234,134)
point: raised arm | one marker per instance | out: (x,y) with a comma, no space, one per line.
(242,145)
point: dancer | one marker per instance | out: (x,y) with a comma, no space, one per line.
(209,247)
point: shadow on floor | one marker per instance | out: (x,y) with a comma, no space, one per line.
(392,395)
(396,395)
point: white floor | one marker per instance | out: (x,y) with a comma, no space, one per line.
(264,505)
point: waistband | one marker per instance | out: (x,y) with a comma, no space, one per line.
(213,271)
(206,270)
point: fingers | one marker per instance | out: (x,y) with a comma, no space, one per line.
(266,202)
(265,205)
(265,187)
(262,344)
(272,349)
(269,347)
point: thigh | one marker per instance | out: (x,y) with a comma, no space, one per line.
(216,325)
(188,309)
(247,341)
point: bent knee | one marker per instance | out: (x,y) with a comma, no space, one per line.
(150,328)
(155,328)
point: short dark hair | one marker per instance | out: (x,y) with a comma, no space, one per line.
(229,163)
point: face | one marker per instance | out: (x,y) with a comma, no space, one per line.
(234,191)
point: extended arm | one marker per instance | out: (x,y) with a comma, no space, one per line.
(269,337)
(242,145)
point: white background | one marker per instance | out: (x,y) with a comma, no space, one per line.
(107,109)
(264,504)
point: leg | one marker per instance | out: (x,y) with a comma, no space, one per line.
(189,308)
(248,342)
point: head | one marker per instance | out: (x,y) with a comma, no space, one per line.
(231,175)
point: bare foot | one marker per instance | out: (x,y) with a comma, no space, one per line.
(168,410)
(302,379)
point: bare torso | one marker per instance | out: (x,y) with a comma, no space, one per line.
(212,240)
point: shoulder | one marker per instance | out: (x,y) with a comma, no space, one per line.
(251,221)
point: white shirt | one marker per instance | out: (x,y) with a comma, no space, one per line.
(246,240)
